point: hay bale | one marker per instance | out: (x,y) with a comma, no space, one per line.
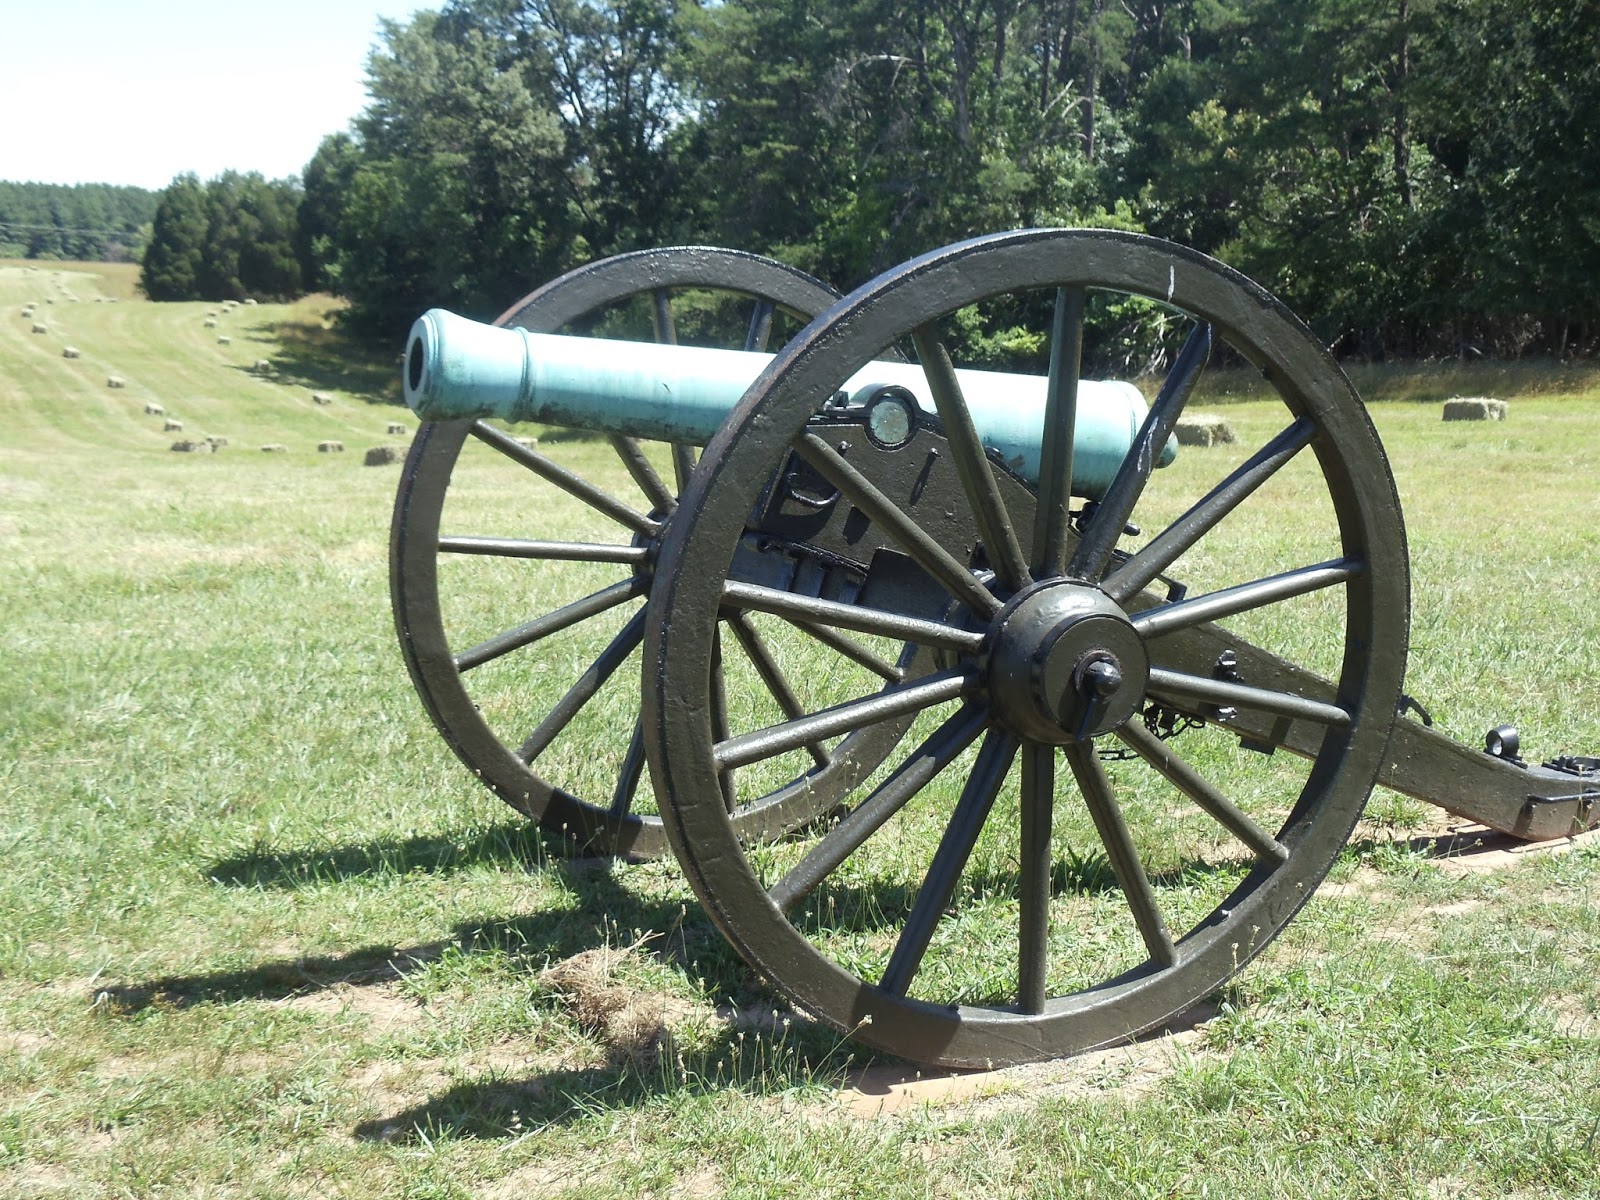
(173,425)
(71,352)
(1203,429)
(274,448)
(262,366)
(224,340)
(382,456)
(330,447)
(528,443)
(116,381)
(250,301)
(40,327)
(187,447)
(321,398)
(1475,408)
(217,440)
(27,312)
(210,323)
(396,428)
(154,410)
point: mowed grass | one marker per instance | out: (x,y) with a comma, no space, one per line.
(264,936)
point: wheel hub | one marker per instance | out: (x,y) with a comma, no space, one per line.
(1065,663)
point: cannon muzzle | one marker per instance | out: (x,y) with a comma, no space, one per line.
(456,368)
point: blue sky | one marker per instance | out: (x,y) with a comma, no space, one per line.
(137,91)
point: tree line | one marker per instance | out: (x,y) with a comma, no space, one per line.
(1413,176)
(85,222)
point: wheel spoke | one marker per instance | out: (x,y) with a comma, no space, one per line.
(955,847)
(893,701)
(1188,690)
(958,732)
(682,464)
(667,334)
(1163,550)
(554,551)
(760,330)
(1227,602)
(777,683)
(644,473)
(852,650)
(972,464)
(632,770)
(719,717)
(661,317)
(551,622)
(581,692)
(1111,515)
(1120,851)
(1186,779)
(1060,420)
(816,611)
(573,485)
(1033,885)
(951,574)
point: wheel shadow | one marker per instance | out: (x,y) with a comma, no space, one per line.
(741,1055)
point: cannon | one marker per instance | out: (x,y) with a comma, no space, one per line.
(981,741)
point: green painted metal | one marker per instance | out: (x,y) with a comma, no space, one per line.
(457,368)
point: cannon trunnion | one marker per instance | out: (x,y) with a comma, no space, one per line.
(961,717)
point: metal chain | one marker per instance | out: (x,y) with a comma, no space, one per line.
(1164,722)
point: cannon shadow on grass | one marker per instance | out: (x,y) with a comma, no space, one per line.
(599,904)
(750,1048)
(749,1043)
(506,843)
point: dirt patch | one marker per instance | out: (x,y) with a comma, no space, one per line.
(536,1179)
(1574,1018)
(1472,849)
(40,1179)
(397,1086)
(1457,909)
(1127,1071)
(385,1008)
(1363,884)
(18,1042)
(703,1183)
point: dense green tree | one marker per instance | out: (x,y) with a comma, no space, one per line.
(175,257)
(459,193)
(1412,175)
(227,239)
(85,222)
(326,185)
(1510,121)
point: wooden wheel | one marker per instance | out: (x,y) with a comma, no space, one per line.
(1047,872)
(518,571)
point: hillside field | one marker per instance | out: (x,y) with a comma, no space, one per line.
(264,936)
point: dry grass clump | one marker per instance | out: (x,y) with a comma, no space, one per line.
(632,1024)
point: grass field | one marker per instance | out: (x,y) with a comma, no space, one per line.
(264,936)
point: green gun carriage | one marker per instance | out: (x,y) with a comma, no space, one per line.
(944,679)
